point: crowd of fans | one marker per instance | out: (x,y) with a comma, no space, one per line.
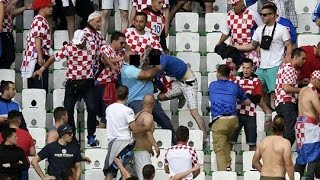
(117,80)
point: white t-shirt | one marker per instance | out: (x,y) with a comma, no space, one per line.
(118,118)
(274,56)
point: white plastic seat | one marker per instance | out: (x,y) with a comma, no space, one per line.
(201,158)
(220,6)
(34,117)
(165,105)
(117,20)
(34,98)
(39,136)
(59,79)
(294,156)
(227,175)
(101,138)
(168,113)
(213,39)
(195,139)
(199,98)
(215,21)
(213,60)
(251,175)
(187,22)
(24,38)
(247,160)
(303,7)
(193,58)
(97,157)
(308,39)
(201,176)
(187,41)
(158,163)
(163,138)
(214,161)
(306,25)
(212,76)
(161,175)
(7,75)
(260,136)
(260,120)
(59,37)
(58,97)
(33,174)
(185,119)
(93,174)
(27,18)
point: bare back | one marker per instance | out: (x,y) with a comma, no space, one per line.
(307,103)
(272,149)
(144,120)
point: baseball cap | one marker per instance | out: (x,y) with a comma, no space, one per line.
(94,15)
(78,37)
(233,1)
(64,129)
(316,74)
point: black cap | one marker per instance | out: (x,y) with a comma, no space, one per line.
(64,129)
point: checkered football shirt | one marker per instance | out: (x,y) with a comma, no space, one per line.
(106,75)
(251,86)
(79,61)
(8,19)
(287,74)
(141,43)
(142,4)
(155,22)
(39,29)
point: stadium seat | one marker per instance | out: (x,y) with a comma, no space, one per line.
(294,156)
(166,105)
(168,113)
(39,136)
(214,161)
(220,6)
(59,79)
(296,176)
(158,163)
(185,119)
(247,160)
(215,22)
(24,36)
(308,40)
(192,58)
(199,98)
(34,98)
(224,175)
(7,75)
(59,37)
(163,138)
(199,79)
(196,139)
(251,175)
(260,136)
(306,25)
(34,117)
(93,174)
(201,176)
(161,175)
(97,157)
(33,174)
(27,18)
(213,60)
(60,65)
(117,21)
(18,98)
(303,7)
(58,97)
(201,158)
(260,120)
(213,39)
(187,41)
(212,76)
(187,22)
(101,138)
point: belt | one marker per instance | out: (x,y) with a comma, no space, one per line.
(188,82)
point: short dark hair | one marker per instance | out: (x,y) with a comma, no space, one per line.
(6,133)
(224,70)
(297,52)
(14,116)
(278,124)
(182,134)
(59,112)
(247,60)
(141,14)
(122,92)
(5,85)
(117,35)
(271,6)
(132,178)
(148,171)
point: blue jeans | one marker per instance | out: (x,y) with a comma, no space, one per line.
(24,175)
(159,116)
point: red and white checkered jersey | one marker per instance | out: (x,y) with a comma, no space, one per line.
(141,43)
(242,26)
(142,4)
(8,19)
(287,74)
(155,22)
(251,86)
(79,61)
(180,158)
(106,74)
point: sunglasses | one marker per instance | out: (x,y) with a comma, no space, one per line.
(264,15)
(70,133)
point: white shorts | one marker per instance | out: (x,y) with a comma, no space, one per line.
(190,92)
(108,4)
(141,158)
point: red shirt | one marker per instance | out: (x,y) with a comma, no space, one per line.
(312,63)
(25,140)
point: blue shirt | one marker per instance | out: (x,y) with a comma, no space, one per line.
(173,66)
(223,95)
(316,13)
(137,88)
(292,30)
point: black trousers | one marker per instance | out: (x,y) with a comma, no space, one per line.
(290,112)
(40,83)
(311,169)
(8,50)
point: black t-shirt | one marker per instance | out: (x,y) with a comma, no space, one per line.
(61,158)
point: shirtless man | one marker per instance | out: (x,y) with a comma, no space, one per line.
(145,139)
(307,127)
(275,152)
